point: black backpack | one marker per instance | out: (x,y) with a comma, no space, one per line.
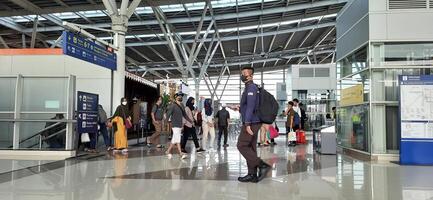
(267,108)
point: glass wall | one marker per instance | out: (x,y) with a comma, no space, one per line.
(37,110)
(353,119)
(379,73)
(7,107)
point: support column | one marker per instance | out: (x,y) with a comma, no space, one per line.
(119,74)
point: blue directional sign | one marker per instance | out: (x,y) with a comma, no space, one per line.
(87,112)
(87,50)
(416,120)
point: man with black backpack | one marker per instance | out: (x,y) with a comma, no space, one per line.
(251,124)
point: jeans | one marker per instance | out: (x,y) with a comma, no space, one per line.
(104,133)
(93,137)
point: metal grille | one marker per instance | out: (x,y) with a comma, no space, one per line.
(322,72)
(407,4)
(306,72)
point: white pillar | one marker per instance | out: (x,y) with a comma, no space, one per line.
(119,74)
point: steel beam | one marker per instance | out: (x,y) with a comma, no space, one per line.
(249,62)
(132,7)
(84,17)
(247,36)
(2,41)
(111,7)
(218,17)
(169,38)
(35,28)
(140,54)
(55,43)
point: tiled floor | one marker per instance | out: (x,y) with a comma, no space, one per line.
(297,173)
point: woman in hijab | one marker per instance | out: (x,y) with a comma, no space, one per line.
(189,126)
(208,124)
(120,121)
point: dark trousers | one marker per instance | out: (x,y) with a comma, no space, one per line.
(93,138)
(247,146)
(104,133)
(187,131)
(222,130)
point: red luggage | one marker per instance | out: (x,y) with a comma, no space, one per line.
(300,137)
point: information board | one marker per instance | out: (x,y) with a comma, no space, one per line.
(416,119)
(352,96)
(87,50)
(87,111)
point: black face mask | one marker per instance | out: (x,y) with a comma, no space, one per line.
(244,78)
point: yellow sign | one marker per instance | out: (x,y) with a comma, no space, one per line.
(352,96)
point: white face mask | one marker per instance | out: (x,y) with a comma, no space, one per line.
(124,103)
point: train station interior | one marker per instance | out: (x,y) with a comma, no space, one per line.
(216,99)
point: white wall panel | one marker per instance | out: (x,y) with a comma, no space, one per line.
(38,65)
(5,65)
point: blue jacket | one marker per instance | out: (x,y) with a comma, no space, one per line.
(249,101)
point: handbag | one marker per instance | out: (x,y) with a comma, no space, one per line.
(85,137)
(291,136)
(273,133)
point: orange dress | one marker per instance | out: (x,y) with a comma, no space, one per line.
(120,138)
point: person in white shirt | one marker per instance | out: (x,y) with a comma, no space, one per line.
(208,124)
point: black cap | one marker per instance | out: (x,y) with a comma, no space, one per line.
(179,94)
(248,67)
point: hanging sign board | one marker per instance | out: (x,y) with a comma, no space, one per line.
(87,50)
(87,112)
(416,120)
(352,96)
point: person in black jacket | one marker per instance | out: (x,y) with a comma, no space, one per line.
(303,116)
(223,117)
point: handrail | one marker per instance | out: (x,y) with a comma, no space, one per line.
(38,133)
(52,135)
(55,134)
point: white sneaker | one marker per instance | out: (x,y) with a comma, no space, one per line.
(169,156)
(184,156)
(124,150)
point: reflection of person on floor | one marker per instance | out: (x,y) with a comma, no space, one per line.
(55,141)
(119,188)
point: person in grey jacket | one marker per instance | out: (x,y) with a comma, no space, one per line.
(176,112)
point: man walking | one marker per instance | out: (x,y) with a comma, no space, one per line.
(223,117)
(251,125)
(157,117)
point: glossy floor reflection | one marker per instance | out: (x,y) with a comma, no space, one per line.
(297,173)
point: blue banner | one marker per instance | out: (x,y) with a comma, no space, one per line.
(87,112)
(416,120)
(87,50)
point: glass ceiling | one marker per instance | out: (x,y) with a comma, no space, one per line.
(144,10)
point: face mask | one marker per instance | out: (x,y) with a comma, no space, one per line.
(243,78)
(124,103)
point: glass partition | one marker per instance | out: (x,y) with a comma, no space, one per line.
(38,110)
(7,107)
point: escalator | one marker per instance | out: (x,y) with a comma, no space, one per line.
(51,137)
